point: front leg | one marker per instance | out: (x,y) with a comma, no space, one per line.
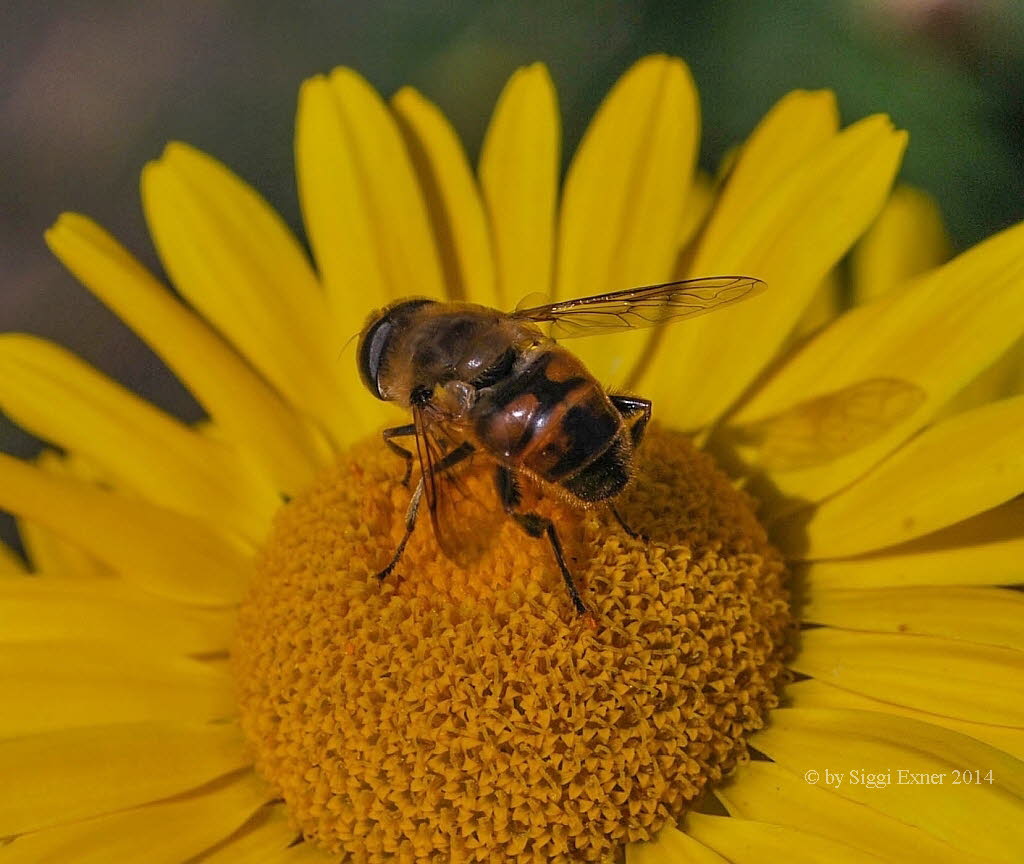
(536,526)
(452,458)
(410,524)
(401,432)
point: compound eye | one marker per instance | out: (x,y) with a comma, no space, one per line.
(371,352)
(374,342)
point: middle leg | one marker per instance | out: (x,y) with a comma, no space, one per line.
(536,526)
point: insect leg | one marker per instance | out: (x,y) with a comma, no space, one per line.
(401,432)
(536,526)
(410,523)
(637,413)
(636,535)
(455,456)
(629,407)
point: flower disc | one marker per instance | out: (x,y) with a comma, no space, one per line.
(450,714)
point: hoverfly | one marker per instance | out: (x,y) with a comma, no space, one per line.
(481,381)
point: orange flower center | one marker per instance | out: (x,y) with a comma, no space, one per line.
(469,715)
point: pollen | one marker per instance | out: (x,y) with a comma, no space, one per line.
(466,713)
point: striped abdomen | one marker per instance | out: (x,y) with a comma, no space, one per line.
(552,418)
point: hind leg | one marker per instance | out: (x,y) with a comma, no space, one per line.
(635,535)
(637,414)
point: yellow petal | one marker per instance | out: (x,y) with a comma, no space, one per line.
(453,200)
(774,150)
(960,467)
(161,551)
(63,685)
(964,680)
(1003,378)
(65,776)
(519,178)
(51,608)
(767,793)
(267,839)
(823,429)
(238,400)
(813,693)
(230,255)
(991,616)
(699,201)
(626,195)
(361,201)
(57,397)
(742,841)
(672,846)
(980,818)
(987,549)
(166,833)
(905,240)
(937,333)
(48,552)
(824,306)
(791,237)
(790,134)
(10,562)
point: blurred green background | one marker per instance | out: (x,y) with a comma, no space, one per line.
(94,89)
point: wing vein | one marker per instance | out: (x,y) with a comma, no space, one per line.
(647,306)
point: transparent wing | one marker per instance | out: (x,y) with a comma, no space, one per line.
(822,429)
(463,518)
(641,307)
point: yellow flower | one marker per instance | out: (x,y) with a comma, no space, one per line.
(886,474)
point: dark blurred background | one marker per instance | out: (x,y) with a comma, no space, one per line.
(92,90)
